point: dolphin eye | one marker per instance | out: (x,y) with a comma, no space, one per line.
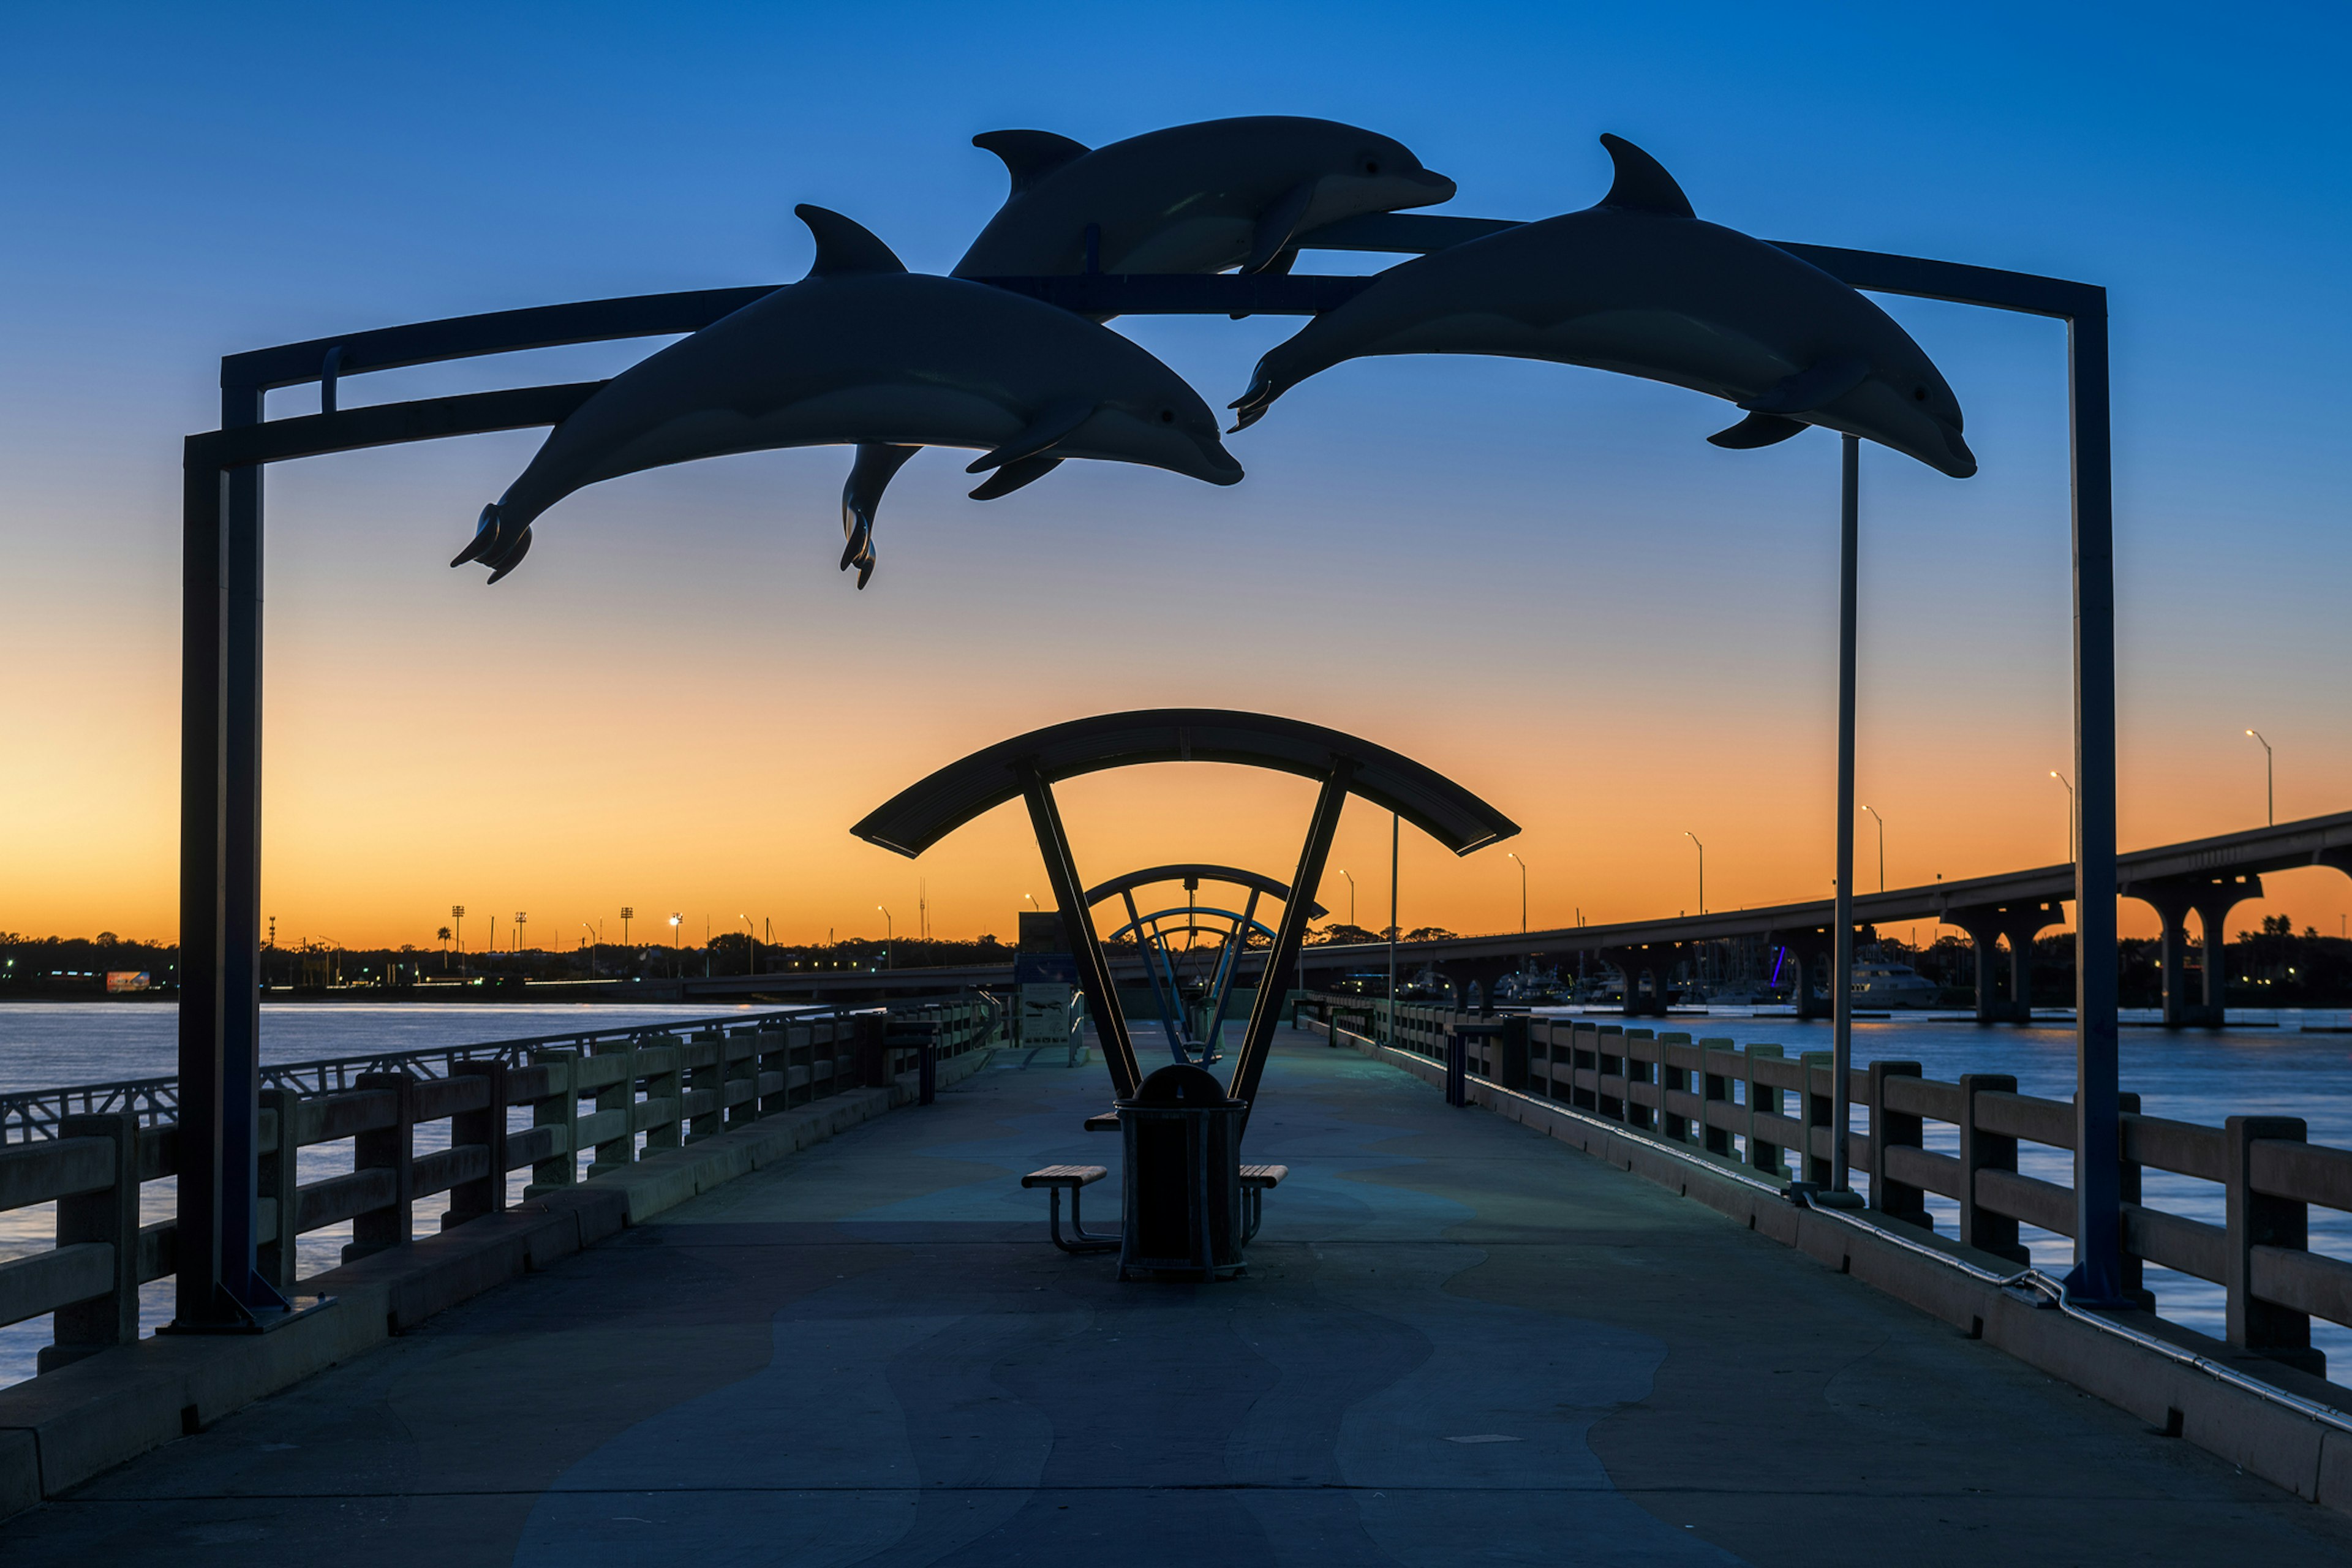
(1168,416)
(1372,166)
(1918,394)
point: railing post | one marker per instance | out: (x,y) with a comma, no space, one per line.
(393,1149)
(1816,1112)
(109,1215)
(1716,1090)
(1981,1151)
(2259,1220)
(739,1054)
(1608,1049)
(620,1152)
(1457,1068)
(2133,1271)
(669,1133)
(1673,1079)
(1763,1099)
(560,1108)
(281,1178)
(703,1078)
(488,1128)
(772,1051)
(1894,1129)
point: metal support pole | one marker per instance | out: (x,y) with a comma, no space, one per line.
(204,747)
(1228,969)
(1841,965)
(2097,1276)
(1147,942)
(1393,830)
(1078,927)
(1267,1011)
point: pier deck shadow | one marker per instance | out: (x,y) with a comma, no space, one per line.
(1457,1342)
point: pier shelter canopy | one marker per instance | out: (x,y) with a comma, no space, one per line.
(1165,965)
(1028,766)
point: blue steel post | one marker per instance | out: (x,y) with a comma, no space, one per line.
(2098,1181)
(203,634)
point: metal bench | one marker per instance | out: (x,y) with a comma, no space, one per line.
(1054,1179)
(1255,1180)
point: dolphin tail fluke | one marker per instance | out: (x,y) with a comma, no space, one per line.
(1012,475)
(869,476)
(511,558)
(1758,430)
(486,537)
(1251,405)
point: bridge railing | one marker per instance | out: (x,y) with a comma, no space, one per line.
(417,1125)
(1768,1114)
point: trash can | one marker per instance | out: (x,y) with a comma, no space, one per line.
(1183,1202)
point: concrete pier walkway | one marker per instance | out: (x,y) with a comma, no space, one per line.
(1458,1342)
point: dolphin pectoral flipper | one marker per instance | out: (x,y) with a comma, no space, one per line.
(876,462)
(1012,475)
(1817,385)
(508,559)
(1759,430)
(1030,156)
(1047,429)
(1277,227)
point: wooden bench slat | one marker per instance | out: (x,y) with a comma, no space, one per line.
(1064,1177)
(1264,1175)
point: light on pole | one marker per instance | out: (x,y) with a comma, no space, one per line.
(1033,902)
(1351,899)
(596,940)
(1523,892)
(521,919)
(2270,781)
(677,944)
(2071,853)
(1881,847)
(1702,870)
(751,937)
(457,914)
(890,937)
(627,914)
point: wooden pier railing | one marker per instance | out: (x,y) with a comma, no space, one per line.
(611,1096)
(1755,1109)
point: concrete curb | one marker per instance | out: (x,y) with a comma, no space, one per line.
(67,1427)
(2308,1458)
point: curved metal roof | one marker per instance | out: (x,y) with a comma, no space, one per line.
(921,814)
(1199,870)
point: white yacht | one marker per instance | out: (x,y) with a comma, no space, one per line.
(1881,984)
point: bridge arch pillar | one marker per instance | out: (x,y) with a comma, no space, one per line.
(1656,959)
(1810,948)
(2211,898)
(2021,922)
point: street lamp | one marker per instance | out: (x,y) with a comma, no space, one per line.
(676,945)
(2270,781)
(627,914)
(457,914)
(1033,902)
(890,937)
(1351,899)
(521,919)
(1523,892)
(595,941)
(2071,855)
(751,937)
(1702,872)
(1881,847)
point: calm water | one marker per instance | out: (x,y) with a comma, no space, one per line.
(2193,1076)
(46,1046)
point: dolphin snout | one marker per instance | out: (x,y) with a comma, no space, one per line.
(1961,463)
(1219,466)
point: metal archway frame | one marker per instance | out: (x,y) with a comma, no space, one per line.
(1160,959)
(1030,765)
(221,631)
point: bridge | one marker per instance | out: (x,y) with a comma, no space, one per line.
(2206,876)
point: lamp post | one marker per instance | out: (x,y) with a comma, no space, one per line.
(1523,890)
(1881,847)
(457,914)
(1702,868)
(890,937)
(2270,781)
(676,945)
(752,939)
(521,919)
(1351,898)
(2071,854)
(595,941)
(627,914)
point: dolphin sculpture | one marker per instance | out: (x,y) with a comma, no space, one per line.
(1191,198)
(1639,285)
(862,351)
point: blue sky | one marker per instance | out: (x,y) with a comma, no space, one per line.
(1464,552)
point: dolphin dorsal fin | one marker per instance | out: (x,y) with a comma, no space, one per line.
(1030,156)
(1643,184)
(844,247)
